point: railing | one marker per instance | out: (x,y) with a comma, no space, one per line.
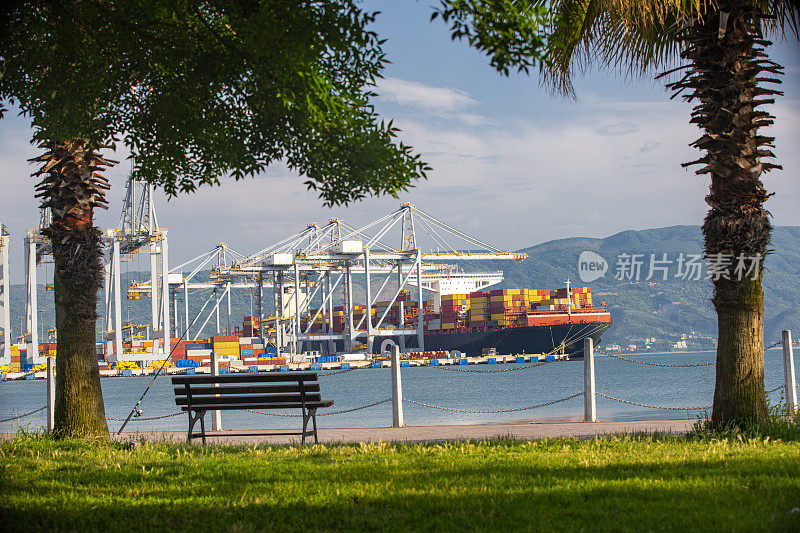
(589,392)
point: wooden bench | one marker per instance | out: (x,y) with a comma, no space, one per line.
(197,394)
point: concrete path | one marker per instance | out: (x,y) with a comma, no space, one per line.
(516,430)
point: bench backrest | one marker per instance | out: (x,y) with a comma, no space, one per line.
(247,389)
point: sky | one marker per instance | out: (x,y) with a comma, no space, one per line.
(512,165)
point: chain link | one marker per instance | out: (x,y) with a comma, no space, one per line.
(483,411)
(712,363)
(337,372)
(138,418)
(510,369)
(654,406)
(23,415)
(321,414)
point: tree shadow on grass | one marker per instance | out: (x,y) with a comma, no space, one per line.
(425,491)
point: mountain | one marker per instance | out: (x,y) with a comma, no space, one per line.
(664,309)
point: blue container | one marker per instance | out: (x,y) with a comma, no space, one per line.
(375,364)
(463,362)
(223,370)
(190,372)
(127,372)
(27,368)
(491,360)
(272,350)
(434,362)
(551,358)
(345,366)
(30,376)
(246,352)
(284,368)
(315,366)
(253,369)
(405,364)
(520,359)
(186,363)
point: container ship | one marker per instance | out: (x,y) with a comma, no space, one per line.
(507,321)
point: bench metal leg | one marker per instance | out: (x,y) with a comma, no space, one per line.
(203,426)
(198,415)
(314,420)
(306,416)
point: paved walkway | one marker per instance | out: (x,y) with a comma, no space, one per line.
(516,430)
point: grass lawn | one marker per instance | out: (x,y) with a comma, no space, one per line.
(633,484)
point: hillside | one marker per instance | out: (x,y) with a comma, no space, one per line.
(664,309)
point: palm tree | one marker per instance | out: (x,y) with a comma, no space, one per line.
(720,47)
(71,186)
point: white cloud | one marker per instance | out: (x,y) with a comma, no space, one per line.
(419,95)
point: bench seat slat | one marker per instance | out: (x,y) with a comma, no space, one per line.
(245,378)
(225,407)
(246,389)
(247,398)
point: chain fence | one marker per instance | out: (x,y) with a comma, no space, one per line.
(648,363)
(23,415)
(142,418)
(454,368)
(695,408)
(341,412)
(486,411)
(346,370)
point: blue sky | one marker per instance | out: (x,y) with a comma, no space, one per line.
(513,165)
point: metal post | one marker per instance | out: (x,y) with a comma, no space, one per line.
(33,307)
(229,307)
(186,309)
(401,323)
(5,291)
(165,293)
(420,307)
(216,418)
(397,390)
(349,308)
(51,393)
(115,267)
(262,328)
(216,309)
(296,321)
(788,372)
(589,403)
(278,286)
(368,311)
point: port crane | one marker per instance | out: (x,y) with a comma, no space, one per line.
(137,232)
(5,289)
(316,256)
(38,250)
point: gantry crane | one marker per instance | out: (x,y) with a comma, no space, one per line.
(5,290)
(138,232)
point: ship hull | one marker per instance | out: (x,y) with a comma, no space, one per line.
(530,339)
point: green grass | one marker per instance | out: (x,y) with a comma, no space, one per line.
(628,484)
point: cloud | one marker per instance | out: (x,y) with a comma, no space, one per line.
(620,128)
(649,146)
(419,95)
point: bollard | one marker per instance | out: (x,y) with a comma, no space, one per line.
(216,418)
(397,390)
(788,372)
(51,393)
(589,404)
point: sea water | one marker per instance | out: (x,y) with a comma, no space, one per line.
(686,388)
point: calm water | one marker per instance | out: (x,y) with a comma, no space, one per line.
(675,387)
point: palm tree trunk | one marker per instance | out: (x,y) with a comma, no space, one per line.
(71,187)
(724,77)
(79,409)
